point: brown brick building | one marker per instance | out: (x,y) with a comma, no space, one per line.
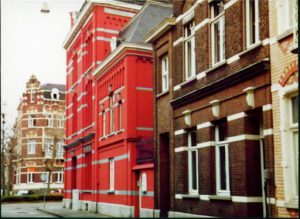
(213,118)
(285,108)
(41,115)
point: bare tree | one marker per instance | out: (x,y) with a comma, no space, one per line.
(50,162)
(11,155)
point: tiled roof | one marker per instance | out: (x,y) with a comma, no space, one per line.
(149,16)
(60,87)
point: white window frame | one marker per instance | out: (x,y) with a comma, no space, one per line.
(256,23)
(165,73)
(287,138)
(32,96)
(31,119)
(60,121)
(189,39)
(218,145)
(50,120)
(120,115)
(284,22)
(104,123)
(31,146)
(60,149)
(112,127)
(144,182)
(30,177)
(60,177)
(18,175)
(220,20)
(111,174)
(192,149)
(55,91)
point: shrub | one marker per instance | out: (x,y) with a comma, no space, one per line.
(32,198)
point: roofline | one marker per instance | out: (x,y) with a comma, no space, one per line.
(160,29)
(117,51)
(86,11)
(143,8)
(64,92)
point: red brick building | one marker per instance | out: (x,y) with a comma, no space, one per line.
(213,123)
(41,115)
(109,148)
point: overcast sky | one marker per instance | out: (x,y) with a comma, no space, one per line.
(31,43)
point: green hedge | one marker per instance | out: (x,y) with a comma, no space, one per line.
(31,198)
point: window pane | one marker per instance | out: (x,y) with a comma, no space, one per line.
(194,138)
(194,169)
(295,109)
(296,163)
(252,21)
(189,58)
(222,168)
(217,41)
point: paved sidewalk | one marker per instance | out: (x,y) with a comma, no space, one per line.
(59,211)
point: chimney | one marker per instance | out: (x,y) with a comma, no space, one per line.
(73,16)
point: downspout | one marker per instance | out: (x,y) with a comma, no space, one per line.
(262,175)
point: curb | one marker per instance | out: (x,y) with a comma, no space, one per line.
(49,212)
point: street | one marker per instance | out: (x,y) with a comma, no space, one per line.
(26,209)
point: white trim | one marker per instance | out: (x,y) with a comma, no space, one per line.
(267,107)
(179,132)
(179,40)
(204,197)
(204,125)
(256,23)
(118,12)
(275,87)
(105,30)
(117,51)
(181,149)
(245,199)
(187,13)
(230,3)
(144,128)
(243,137)
(201,75)
(266,41)
(233,59)
(268,132)
(202,24)
(177,87)
(206,144)
(288,89)
(236,116)
(101,38)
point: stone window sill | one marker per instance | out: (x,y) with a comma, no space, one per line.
(294,49)
(252,47)
(188,82)
(217,65)
(162,94)
(196,196)
(284,34)
(292,204)
(220,197)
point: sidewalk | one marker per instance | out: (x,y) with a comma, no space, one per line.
(59,211)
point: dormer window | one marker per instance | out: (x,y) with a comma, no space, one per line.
(55,94)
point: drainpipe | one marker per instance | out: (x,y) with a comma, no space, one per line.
(262,175)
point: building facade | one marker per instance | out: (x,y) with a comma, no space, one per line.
(285,108)
(109,148)
(40,127)
(213,84)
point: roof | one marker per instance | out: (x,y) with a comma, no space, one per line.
(150,15)
(60,87)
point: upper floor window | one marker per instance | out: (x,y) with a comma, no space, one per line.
(165,73)
(252,22)
(30,177)
(31,146)
(31,121)
(60,149)
(222,159)
(217,31)
(192,162)
(32,96)
(103,123)
(60,121)
(286,12)
(49,120)
(59,178)
(189,50)
(112,114)
(55,94)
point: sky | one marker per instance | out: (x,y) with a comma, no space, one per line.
(32,43)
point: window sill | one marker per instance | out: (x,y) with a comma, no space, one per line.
(217,65)
(294,48)
(220,197)
(292,204)
(195,196)
(189,81)
(162,94)
(111,192)
(250,48)
(284,34)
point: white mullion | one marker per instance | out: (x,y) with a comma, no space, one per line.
(247,23)
(257,20)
